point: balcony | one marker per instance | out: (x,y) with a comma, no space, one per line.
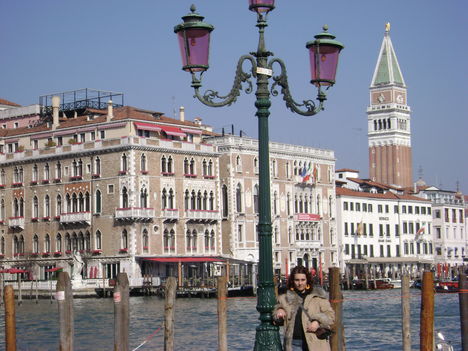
(16,222)
(170,214)
(76,218)
(203,216)
(308,244)
(134,214)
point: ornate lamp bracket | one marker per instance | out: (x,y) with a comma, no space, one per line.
(282,81)
(210,96)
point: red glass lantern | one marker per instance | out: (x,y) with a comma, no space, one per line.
(261,6)
(324,52)
(194,42)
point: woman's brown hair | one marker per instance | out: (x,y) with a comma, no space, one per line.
(300,270)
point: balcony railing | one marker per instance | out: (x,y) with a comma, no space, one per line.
(312,244)
(16,222)
(76,217)
(134,214)
(170,214)
(202,215)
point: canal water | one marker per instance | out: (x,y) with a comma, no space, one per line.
(372,321)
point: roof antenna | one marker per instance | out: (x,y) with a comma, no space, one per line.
(174,112)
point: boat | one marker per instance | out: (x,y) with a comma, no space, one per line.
(446,286)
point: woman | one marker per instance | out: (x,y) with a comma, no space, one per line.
(304,309)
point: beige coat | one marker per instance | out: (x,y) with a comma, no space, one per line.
(319,309)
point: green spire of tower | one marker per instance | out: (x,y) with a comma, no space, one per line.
(387,71)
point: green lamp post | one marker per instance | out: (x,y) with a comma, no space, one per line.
(194,41)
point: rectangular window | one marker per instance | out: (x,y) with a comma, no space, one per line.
(371,251)
(447,215)
(364,207)
(410,209)
(423,210)
(389,251)
(379,208)
(406,249)
(438,233)
(403,209)
(102,134)
(395,209)
(352,228)
(405,227)
(437,213)
(411,227)
(239,232)
(397,230)
(388,230)
(371,229)
(345,206)
(416,209)
(381,251)
(412,248)
(353,251)
(110,188)
(346,229)
(454,215)
(387,209)
(381,230)
(397,251)
(346,250)
(460,216)
(369,208)
(351,206)
(358,207)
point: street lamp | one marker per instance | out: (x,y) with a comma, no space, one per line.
(194,41)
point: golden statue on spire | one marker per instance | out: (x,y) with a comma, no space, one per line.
(387,27)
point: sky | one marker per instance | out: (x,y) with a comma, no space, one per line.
(51,46)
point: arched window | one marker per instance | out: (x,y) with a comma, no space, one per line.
(2,177)
(68,246)
(205,200)
(21,244)
(212,240)
(171,199)
(21,207)
(80,168)
(330,206)
(145,240)
(58,243)
(34,175)
(74,203)
(124,240)
(204,168)
(193,201)
(239,198)
(275,203)
(81,242)
(256,198)
(144,198)
(2,245)
(58,170)
(98,202)
(123,163)
(35,211)
(164,199)
(87,243)
(58,207)
(81,206)
(35,245)
(238,164)
(46,172)
(194,240)
(172,240)
(124,198)
(166,240)
(143,163)
(47,243)
(98,240)
(47,206)
(86,202)
(163,164)
(225,201)
(188,240)
(2,210)
(255,164)
(318,204)
(186,166)
(199,200)
(169,164)
(97,166)
(210,168)
(15,245)
(192,167)
(186,200)
(288,204)
(74,242)
(211,202)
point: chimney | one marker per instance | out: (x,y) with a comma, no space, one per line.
(55,111)
(182,113)
(110,111)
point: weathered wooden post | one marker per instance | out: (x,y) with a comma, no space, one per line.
(64,297)
(366,271)
(37,291)
(51,294)
(121,313)
(427,313)
(337,339)
(463,299)
(2,287)
(406,312)
(10,318)
(222,315)
(170,293)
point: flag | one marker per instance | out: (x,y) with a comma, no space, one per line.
(360,228)
(315,174)
(303,171)
(421,231)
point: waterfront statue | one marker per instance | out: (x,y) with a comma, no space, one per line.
(77,265)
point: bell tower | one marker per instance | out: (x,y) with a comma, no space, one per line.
(388,117)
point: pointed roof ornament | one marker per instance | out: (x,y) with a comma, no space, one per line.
(387,70)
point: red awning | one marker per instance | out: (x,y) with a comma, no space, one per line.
(4,271)
(17,271)
(174,131)
(147,126)
(55,269)
(184,259)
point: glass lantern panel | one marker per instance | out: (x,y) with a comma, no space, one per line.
(194,48)
(323,64)
(261,9)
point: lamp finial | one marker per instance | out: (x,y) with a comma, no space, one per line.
(325,27)
(387,27)
(193,8)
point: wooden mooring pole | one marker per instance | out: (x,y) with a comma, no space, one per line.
(20,293)
(406,312)
(426,335)
(463,299)
(170,293)
(121,313)
(64,297)
(222,314)
(337,339)
(10,318)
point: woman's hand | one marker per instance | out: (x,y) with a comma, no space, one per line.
(280,314)
(313,326)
